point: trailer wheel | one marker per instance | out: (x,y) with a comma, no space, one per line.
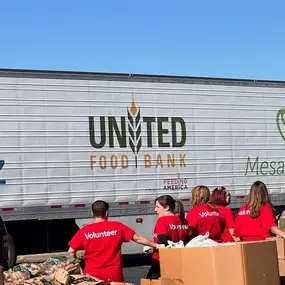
(12,255)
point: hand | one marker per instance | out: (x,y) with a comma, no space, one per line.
(160,246)
(147,249)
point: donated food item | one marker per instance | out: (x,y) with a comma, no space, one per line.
(172,244)
(201,241)
(17,273)
(55,271)
(36,281)
(121,283)
(62,276)
(71,265)
(85,280)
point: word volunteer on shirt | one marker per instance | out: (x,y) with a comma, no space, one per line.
(101,234)
(244,212)
(209,214)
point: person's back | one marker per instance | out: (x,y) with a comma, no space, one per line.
(254,229)
(102,243)
(206,218)
(228,215)
(177,230)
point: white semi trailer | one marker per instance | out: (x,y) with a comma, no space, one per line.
(69,138)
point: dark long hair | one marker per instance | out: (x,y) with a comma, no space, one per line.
(167,200)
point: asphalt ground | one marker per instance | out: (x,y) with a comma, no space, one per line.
(134,274)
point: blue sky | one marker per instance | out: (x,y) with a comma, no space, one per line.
(235,39)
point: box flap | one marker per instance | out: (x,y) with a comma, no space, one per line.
(260,263)
(229,265)
(170,262)
(168,281)
(280,243)
(281,263)
(197,265)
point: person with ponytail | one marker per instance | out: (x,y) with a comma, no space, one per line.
(256,220)
(204,217)
(170,225)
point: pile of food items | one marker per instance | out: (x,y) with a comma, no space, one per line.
(54,271)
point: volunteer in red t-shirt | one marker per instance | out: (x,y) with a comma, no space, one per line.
(255,220)
(102,241)
(169,226)
(204,217)
(221,198)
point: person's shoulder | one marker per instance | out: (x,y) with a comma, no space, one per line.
(162,220)
(225,209)
(267,207)
(87,227)
(115,223)
(196,209)
(243,207)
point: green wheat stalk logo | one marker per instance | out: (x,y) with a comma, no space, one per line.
(135,139)
(280,119)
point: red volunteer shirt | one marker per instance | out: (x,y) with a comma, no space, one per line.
(228,215)
(203,219)
(254,229)
(102,243)
(172,227)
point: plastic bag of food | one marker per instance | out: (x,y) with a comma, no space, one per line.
(172,244)
(71,265)
(201,241)
(17,273)
(79,279)
(62,276)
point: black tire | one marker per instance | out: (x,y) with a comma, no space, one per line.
(12,254)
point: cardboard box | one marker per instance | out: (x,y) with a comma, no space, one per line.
(162,281)
(280,242)
(121,283)
(281,264)
(237,264)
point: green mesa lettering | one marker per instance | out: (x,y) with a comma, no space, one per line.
(264,167)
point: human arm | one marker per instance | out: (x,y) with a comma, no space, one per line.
(230,220)
(237,227)
(145,241)
(269,221)
(275,230)
(236,239)
(75,244)
(71,253)
(129,234)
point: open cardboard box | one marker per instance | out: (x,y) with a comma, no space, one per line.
(236,264)
(161,281)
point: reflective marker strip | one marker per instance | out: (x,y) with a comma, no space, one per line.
(144,202)
(185,200)
(123,203)
(7,209)
(240,197)
(79,205)
(56,206)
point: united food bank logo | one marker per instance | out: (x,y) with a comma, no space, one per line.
(134,132)
(281,122)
